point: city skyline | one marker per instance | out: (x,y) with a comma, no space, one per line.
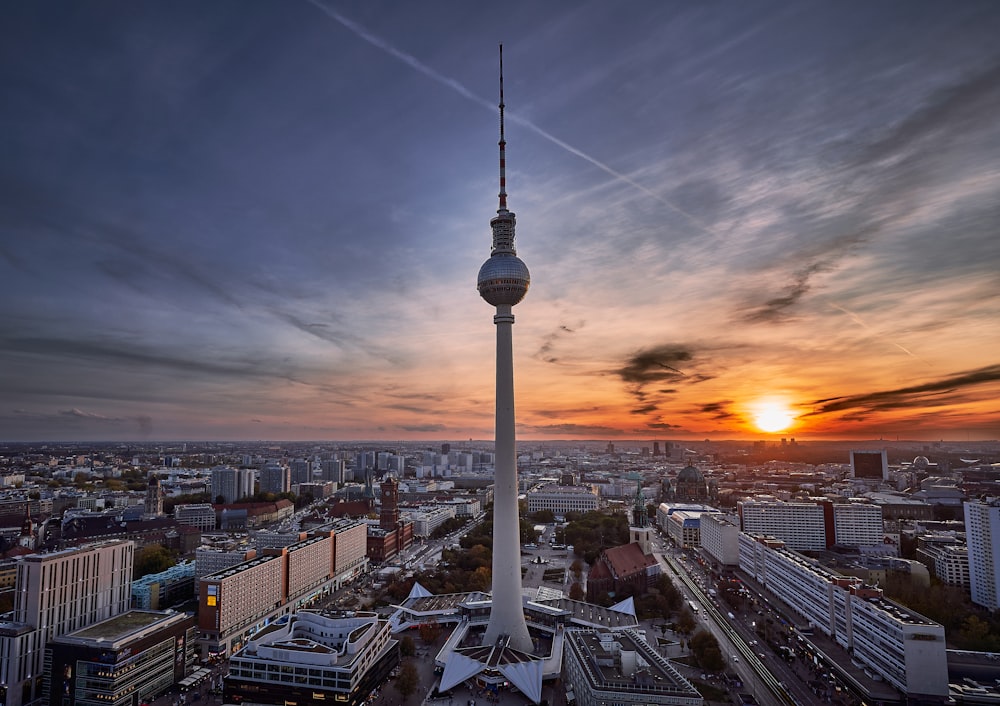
(264,221)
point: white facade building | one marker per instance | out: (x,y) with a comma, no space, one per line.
(902,647)
(982,535)
(858,524)
(561,499)
(720,538)
(801,526)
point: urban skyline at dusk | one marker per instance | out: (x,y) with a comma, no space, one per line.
(258,220)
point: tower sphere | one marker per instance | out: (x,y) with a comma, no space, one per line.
(503,279)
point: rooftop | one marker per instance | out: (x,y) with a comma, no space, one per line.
(120,626)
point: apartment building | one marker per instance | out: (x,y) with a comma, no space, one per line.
(720,538)
(891,642)
(982,536)
(237,601)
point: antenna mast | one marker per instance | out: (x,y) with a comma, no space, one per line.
(503,146)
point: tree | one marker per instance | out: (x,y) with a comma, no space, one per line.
(408,679)
(481,579)
(576,592)
(706,651)
(686,622)
(407,648)
(152,559)
(544,517)
(429,631)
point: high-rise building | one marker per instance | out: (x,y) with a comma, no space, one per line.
(301,471)
(231,484)
(275,478)
(503,281)
(55,594)
(800,525)
(333,470)
(982,535)
(870,464)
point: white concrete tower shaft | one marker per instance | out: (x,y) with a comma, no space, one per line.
(503,282)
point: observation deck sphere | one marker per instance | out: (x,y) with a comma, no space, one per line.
(503,279)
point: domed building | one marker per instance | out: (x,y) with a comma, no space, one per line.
(690,484)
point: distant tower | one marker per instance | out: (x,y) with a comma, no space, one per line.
(27,537)
(154,497)
(503,282)
(389,516)
(640,532)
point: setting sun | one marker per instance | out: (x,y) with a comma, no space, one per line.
(772,416)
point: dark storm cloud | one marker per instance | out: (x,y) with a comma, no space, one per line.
(914,396)
(663,425)
(655,364)
(717,410)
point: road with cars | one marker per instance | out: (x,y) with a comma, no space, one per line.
(739,645)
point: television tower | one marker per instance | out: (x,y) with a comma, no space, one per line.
(503,282)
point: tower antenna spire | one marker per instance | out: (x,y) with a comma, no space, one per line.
(503,146)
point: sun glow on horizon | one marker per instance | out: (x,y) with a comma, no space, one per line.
(772,416)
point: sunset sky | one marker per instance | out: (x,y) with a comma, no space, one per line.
(255,219)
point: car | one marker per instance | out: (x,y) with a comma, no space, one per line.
(736,658)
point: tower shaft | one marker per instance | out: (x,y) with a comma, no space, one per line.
(507,613)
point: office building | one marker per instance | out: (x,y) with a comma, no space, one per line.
(165,588)
(56,594)
(561,499)
(200,515)
(314,657)
(982,536)
(948,560)
(872,465)
(620,668)
(333,470)
(129,659)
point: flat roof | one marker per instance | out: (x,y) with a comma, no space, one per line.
(120,626)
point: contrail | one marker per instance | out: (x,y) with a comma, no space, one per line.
(454,85)
(862,324)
